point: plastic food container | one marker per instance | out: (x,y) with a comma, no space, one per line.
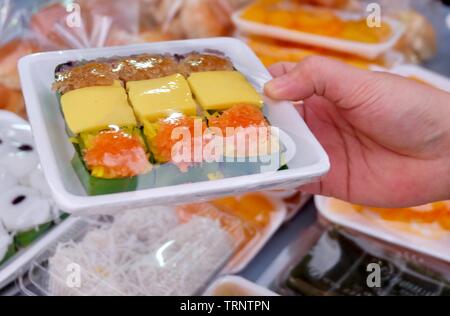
(306,159)
(148,251)
(236,286)
(366,50)
(329,260)
(427,238)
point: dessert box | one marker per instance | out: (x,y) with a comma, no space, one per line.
(336,30)
(303,158)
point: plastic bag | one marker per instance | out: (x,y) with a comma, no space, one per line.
(190,18)
(82,24)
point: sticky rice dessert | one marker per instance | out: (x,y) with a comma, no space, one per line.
(199,62)
(68,77)
(105,130)
(144,67)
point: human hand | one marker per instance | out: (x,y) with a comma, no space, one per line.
(388,137)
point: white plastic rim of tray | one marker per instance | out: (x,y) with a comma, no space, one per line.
(424,74)
(365,50)
(244,256)
(434,248)
(55,151)
(244,285)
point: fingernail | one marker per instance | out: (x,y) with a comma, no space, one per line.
(274,87)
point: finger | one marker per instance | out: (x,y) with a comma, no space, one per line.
(280,69)
(317,76)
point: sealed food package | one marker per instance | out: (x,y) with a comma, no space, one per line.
(150,117)
(15,42)
(148,251)
(339,30)
(178,17)
(334,261)
(425,228)
(271,51)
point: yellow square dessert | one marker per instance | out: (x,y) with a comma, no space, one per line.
(220,90)
(159,98)
(94,108)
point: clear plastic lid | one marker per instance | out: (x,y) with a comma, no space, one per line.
(149,251)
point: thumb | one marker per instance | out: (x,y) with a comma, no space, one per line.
(315,75)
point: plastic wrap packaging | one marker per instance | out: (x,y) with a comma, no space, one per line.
(260,216)
(149,251)
(330,261)
(181,18)
(82,24)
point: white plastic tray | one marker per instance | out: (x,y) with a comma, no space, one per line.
(55,151)
(369,51)
(438,247)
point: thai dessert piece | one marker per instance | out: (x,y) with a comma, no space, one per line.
(103,125)
(220,90)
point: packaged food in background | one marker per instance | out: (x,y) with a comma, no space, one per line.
(15,42)
(85,24)
(259,216)
(271,51)
(177,18)
(12,100)
(148,251)
(293,199)
(330,261)
(419,43)
(424,229)
(342,30)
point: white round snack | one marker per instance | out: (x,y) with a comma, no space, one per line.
(37,181)
(23,208)
(17,152)
(7,180)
